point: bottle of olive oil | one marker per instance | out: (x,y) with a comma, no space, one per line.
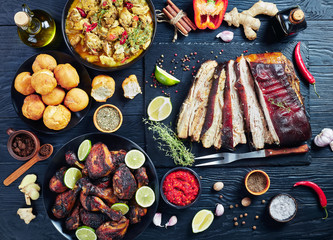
(35,28)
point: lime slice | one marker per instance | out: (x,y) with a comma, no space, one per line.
(159,108)
(84,150)
(145,196)
(122,207)
(135,159)
(164,77)
(71,176)
(85,233)
(202,220)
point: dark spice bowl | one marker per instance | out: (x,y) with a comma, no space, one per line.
(287,219)
(182,169)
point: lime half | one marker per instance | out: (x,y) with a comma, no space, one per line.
(145,196)
(85,233)
(84,150)
(164,77)
(71,176)
(135,159)
(122,207)
(159,108)
(202,220)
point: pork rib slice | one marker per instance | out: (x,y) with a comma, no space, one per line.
(233,122)
(211,130)
(193,109)
(280,98)
(255,122)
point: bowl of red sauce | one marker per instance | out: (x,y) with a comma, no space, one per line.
(180,187)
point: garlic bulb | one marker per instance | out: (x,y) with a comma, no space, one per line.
(157,220)
(219,209)
(226,36)
(324,138)
(172,221)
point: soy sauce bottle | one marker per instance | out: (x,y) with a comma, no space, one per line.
(288,22)
(35,28)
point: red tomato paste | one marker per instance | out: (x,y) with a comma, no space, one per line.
(181,187)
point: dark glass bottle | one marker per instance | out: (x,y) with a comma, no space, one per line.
(35,28)
(288,22)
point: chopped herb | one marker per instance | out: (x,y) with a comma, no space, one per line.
(168,142)
(281,105)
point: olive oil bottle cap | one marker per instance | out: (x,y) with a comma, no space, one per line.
(22,19)
(298,15)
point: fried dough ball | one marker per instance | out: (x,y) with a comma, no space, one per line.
(56,117)
(103,87)
(55,97)
(22,83)
(43,81)
(44,61)
(67,76)
(33,107)
(76,99)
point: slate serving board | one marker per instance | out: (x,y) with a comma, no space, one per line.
(171,54)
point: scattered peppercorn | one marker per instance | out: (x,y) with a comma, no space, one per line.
(254,227)
(257,217)
(245,214)
(162,56)
(211,52)
(200,177)
(241,216)
(221,196)
(231,207)
(263,201)
(235,219)
(236,223)
(236,205)
(243,222)
(176,54)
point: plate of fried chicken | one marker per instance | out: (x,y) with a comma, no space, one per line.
(106,180)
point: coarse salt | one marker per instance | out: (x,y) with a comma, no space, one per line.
(282,207)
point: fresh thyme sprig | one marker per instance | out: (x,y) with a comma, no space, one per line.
(281,105)
(168,142)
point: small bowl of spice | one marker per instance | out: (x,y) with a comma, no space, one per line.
(180,187)
(108,118)
(22,145)
(257,182)
(282,207)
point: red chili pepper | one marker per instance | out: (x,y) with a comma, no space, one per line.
(302,68)
(90,27)
(123,38)
(104,3)
(136,18)
(122,61)
(128,5)
(209,13)
(82,12)
(318,190)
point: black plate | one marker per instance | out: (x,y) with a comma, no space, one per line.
(94,66)
(85,84)
(114,142)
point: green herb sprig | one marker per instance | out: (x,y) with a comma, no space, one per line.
(168,142)
(281,105)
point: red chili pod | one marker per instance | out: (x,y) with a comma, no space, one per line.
(82,12)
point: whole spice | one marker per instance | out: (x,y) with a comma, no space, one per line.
(90,27)
(219,210)
(128,5)
(168,142)
(23,145)
(157,220)
(82,12)
(172,221)
(318,190)
(324,138)
(302,68)
(45,150)
(218,186)
(209,13)
(108,118)
(226,36)
(256,182)
(124,37)
(246,202)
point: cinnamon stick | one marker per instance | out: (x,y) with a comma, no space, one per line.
(178,25)
(181,21)
(186,18)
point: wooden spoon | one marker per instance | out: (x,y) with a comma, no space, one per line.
(38,157)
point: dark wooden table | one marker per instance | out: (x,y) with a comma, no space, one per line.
(307,223)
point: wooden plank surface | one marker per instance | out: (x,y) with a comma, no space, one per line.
(307,223)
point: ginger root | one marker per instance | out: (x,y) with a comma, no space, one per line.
(30,188)
(247,17)
(26,214)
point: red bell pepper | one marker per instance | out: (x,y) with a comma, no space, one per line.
(209,13)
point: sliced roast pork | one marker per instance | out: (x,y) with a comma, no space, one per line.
(193,111)
(211,130)
(233,122)
(284,112)
(255,122)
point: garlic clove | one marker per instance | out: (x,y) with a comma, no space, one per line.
(172,221)
(157,220)
(226,36)
(331,146)
(219,210)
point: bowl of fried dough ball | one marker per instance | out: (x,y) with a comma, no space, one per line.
(51,92)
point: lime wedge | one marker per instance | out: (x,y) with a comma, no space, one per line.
(164,77)
(145,196)
(159,108)
(85,233)
(71,176)
(202,220)
(84,150)
(122,207)
(135,159)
